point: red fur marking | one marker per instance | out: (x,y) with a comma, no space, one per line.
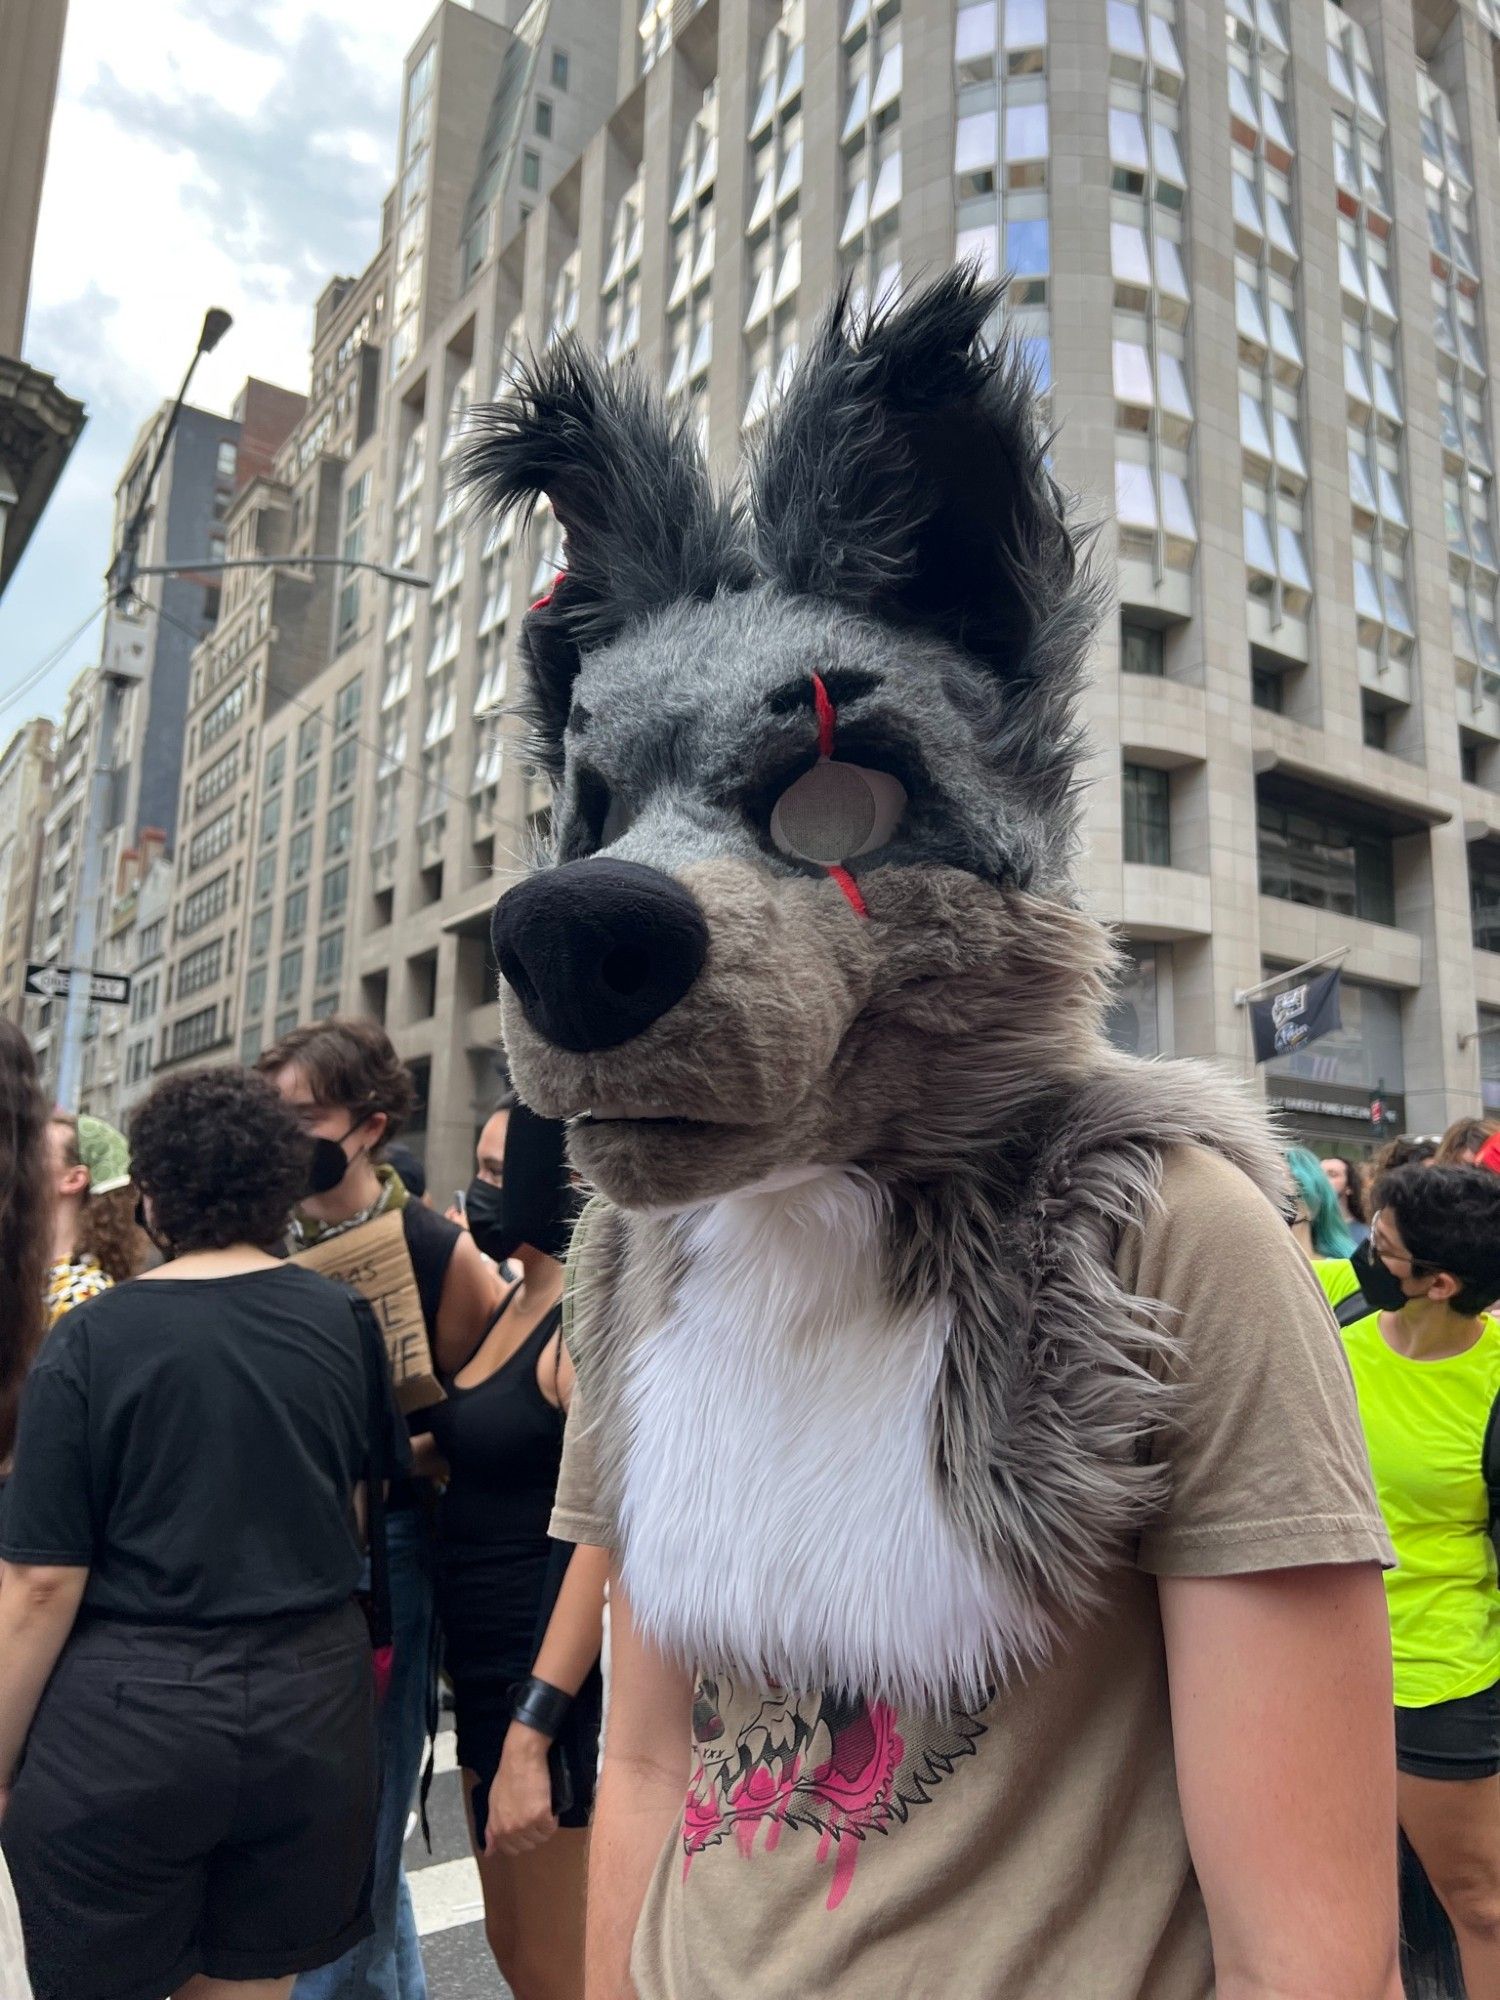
(850,888)
(825,710)
(541,603)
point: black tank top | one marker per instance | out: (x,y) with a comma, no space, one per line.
(503,1443)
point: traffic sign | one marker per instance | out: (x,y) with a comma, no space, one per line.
(55,982)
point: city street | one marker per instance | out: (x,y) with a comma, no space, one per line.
(445,1892)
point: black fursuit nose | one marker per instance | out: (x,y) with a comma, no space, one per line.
(595,951)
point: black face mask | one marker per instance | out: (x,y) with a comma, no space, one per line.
(329,1164)
(484,1204)
(537,1204)
(1380,1285)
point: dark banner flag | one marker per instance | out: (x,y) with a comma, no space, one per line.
(1295,1016)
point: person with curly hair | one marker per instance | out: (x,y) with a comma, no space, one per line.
(345,1083)
(95,1241)
(187,1702)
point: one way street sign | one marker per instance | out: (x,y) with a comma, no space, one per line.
(55,982)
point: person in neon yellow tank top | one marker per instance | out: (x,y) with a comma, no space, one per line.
(1426,1366)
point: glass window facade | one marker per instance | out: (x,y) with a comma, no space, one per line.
(1146,806)
(773,230)
(1320,856)
(1001,155)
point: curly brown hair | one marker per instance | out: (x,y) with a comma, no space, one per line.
(348,1064)
(221,1159)
(107,1233)
(25,1222)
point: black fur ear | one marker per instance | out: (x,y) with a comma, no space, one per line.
(629,487)
(904,473)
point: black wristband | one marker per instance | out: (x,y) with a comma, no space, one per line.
(540,1706)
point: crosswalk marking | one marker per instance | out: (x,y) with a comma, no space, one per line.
(445,1894)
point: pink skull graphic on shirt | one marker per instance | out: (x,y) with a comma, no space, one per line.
(836,1765)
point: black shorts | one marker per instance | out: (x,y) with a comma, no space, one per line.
(196,1800)
(1451,1739)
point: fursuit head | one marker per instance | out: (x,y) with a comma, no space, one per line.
(806,973)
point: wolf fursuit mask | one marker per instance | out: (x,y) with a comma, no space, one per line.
(807,973)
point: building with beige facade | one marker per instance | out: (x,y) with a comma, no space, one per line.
(25,792)
(1255,265)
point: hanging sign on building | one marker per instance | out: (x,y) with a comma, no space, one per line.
(1295,1016)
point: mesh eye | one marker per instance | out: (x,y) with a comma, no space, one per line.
(837,811)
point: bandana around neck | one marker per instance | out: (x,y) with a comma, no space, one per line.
(303,1231)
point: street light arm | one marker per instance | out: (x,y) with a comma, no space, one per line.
(216,323)
(211,566)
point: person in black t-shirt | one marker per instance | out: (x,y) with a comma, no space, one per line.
(187,1747)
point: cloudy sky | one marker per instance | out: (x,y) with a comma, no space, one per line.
(204,152)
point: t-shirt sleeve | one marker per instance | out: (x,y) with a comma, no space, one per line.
(1268,1461)
(578,1512)
(48,1514)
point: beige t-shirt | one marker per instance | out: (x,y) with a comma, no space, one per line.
(1035,1851)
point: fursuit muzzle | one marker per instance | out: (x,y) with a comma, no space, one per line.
(807,924)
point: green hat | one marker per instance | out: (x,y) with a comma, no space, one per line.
(104,1152)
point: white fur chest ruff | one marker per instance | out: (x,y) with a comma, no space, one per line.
(779,1511)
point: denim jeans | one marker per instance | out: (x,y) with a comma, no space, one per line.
(388,1964)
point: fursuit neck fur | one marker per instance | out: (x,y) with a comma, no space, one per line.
(1051,1384)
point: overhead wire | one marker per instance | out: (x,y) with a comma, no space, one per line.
(53,659)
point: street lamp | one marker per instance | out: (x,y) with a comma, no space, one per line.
(117,671)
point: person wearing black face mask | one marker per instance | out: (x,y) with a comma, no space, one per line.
(1426,1362)
(521,1615)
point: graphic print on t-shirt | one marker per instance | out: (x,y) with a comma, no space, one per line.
(825,1763)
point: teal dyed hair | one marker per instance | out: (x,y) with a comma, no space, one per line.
(1330,1232)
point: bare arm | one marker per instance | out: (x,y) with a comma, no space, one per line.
(521,1813)
(37,1609)
(471,1292)
(647,1762)
(1282,1720)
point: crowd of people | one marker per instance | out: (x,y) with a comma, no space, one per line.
(279,1442)
(247,1540)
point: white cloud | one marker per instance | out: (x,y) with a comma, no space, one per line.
(204,152)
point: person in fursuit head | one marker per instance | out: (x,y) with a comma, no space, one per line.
(352,1093)
(1426,1359)
(187,1700)
(996,1574)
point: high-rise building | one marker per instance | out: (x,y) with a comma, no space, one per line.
(1256,272)
(39,425)
(25,790)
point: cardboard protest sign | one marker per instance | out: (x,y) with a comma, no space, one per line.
(374,1259)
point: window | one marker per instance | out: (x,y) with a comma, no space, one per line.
(1140,650)
(200,968)
(194,1034)
(335,891)
(260,934)
(1320,856)
(149,941)
(224,714)
(228,456)
(294,917)
(255,991)
(289,974)
(1375,722)
(299,855)
(559,69)
(265,876)
(342,765)
(307,740)
(252,1041)
(1484,896)
(531,168)
(210,841)
(330,958)
(204,905)
(346,706)
(285,1022)
(340,829)
(275,765)
(544,118)
(1148,815)
(1265,689)
(217,779)
(270,819)
(305,794)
